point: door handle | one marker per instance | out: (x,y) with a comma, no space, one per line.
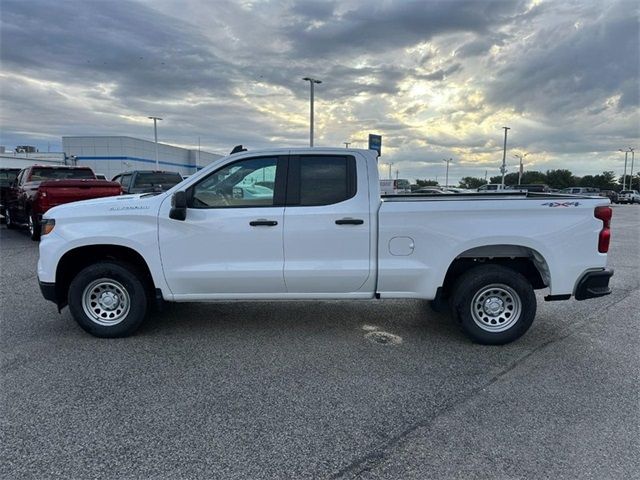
(263,223)
(349,221)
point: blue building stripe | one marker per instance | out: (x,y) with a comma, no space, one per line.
(144,160)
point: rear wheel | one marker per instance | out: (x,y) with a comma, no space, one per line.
(494,304)
(108,299)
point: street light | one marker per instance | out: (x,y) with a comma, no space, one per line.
(155,134)
(312,82)
(503,168)
(446,178)
(624,176)
(346,144)
(632,150)
(521,158)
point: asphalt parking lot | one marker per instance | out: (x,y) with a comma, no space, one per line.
(298,390)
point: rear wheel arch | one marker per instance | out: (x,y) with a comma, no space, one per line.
(524,260)
(75,260)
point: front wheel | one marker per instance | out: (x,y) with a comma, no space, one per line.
(34,228)
(8,218)
(108,300)
(494,304)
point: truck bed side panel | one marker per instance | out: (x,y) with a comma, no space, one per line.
(563,233)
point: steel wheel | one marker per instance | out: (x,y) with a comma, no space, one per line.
(496,307)
(106,302)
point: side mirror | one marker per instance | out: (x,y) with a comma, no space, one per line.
(178,206)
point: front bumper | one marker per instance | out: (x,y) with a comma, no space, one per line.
(48,291)
(593,284)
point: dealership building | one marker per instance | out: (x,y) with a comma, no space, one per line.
(111,155)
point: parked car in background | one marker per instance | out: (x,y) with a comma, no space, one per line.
(395,187)
(492,187)
(610,194)
(432,191)
(456,190)
(7,176)
(38,188)
(534,187)
(629,196)
(582,190)
(147,181)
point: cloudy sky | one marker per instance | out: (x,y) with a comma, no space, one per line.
(438,79)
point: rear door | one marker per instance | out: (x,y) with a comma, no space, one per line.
(326,224)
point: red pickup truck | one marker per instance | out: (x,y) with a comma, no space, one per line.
(38,188)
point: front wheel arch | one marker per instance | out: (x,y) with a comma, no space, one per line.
(73,261)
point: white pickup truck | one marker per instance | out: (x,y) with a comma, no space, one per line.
(311,224)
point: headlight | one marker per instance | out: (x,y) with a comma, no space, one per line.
(46,226)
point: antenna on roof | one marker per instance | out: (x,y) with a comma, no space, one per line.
(237,149)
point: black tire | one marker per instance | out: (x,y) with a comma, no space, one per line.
(504,303)
(9,220)
(110,279)
(34,227)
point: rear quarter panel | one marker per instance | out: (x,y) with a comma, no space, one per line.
(564,233)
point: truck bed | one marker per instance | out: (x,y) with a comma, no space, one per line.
(421,197)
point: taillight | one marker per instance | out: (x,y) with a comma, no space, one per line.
(42,201)
(604,214)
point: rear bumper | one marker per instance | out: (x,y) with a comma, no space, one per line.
(593,284)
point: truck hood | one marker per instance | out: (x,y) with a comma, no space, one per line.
(106,206)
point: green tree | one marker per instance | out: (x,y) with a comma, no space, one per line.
(533,177)
(560,178)
(472,182)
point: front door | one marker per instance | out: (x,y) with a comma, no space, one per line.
(231,240)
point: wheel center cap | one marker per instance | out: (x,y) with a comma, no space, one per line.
(109,300)
(493,306)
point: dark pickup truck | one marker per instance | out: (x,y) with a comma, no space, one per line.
(38,188)
(147,181)
(7,176)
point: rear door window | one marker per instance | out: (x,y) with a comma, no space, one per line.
(316,180)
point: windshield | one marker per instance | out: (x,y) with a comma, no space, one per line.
(626,192)
(61,173)
(7,176)
(157,179)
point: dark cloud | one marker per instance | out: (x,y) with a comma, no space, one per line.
(388,25)
(144,53)
(574,65)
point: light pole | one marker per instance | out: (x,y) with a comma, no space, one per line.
(155,135)
(503,168)
(521,158)
(446,178)
(312,82)
(624,176)
(631,173)
(346,144)
(390,165)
